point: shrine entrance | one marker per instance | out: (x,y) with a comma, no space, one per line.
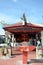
(20,37)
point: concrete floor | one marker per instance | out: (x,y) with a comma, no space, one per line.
(17,59)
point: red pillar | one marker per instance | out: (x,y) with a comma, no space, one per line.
(25,57)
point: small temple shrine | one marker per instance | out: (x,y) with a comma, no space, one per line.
(24,32)
(24,37)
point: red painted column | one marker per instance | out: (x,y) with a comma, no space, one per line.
(25,57)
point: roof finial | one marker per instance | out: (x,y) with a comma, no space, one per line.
(24,19)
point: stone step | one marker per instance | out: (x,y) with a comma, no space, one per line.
(35,61)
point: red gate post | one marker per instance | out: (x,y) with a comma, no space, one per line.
(25,57)
(25,54)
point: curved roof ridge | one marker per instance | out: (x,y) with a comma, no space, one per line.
(22,23)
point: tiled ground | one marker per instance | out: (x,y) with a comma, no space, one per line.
(14,60)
